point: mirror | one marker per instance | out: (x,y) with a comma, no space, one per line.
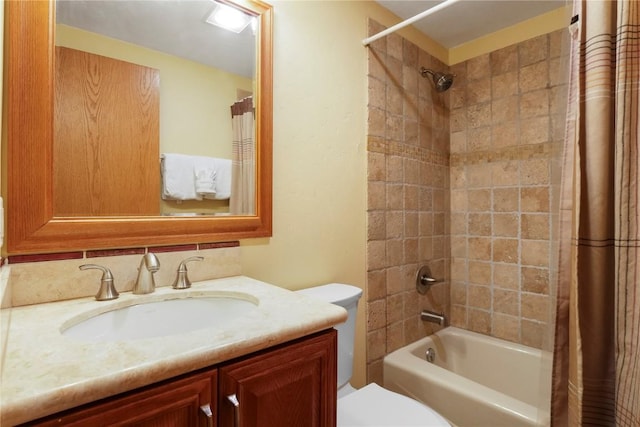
(154,78)
(33,224)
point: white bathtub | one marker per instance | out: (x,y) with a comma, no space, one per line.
(475,380)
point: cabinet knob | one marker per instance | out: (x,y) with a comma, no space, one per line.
(206,410)
(236,409)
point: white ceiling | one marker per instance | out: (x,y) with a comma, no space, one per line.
(466,20)
(174,27)
(178,27)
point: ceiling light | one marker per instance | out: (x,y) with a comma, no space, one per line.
(228,18)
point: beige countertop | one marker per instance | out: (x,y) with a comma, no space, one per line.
(45,372)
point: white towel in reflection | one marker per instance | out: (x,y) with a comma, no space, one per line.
(223,179)
(205,179)
(186,177)
(178,181)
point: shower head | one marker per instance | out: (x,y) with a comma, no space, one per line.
(441,81)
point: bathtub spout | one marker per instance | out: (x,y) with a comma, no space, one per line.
(432,317)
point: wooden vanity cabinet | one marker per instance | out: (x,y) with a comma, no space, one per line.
(171,403)
(290,385)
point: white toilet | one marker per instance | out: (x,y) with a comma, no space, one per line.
(371,405)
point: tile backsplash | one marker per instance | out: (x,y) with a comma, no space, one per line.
(41,278)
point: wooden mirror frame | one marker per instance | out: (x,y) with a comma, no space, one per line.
(28,166)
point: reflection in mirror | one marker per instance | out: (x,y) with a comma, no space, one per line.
(34,222)
(154,109)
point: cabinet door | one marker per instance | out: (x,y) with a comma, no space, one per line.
(293,385)
(106,136)
(174,403)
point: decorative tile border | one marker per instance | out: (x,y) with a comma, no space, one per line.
(216,245)
(114,252)
(173,248)
(521,152)
(20,259)
(377,144)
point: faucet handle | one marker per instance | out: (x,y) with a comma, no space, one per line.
(182,280)
(424,280)
(107,289)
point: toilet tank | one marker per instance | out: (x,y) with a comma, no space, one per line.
(345,296)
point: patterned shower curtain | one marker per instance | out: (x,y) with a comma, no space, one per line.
(243,169)
(597,343)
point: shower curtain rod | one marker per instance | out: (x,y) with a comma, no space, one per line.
(409,21)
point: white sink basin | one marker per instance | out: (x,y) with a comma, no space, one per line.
(160,318)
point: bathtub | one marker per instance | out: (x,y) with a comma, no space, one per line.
(474,380)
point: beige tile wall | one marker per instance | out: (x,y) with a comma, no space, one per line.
(408,196)
(506,127)
(462,181)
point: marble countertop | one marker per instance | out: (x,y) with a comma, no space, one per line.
(45,372)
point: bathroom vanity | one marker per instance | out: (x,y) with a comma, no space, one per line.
(275,365)
(289,385)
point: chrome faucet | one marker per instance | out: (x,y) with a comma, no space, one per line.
(433,317)
(145,283)
(107,289)
(182,280)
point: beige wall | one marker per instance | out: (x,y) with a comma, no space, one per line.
(319,152)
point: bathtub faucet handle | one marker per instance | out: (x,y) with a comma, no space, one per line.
(424,280)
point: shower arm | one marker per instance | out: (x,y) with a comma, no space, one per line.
(424,71)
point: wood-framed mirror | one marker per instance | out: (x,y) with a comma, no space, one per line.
(33,226)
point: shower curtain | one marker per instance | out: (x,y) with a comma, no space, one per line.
(243,168)
(596,377)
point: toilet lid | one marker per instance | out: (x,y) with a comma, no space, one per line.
(375,406)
